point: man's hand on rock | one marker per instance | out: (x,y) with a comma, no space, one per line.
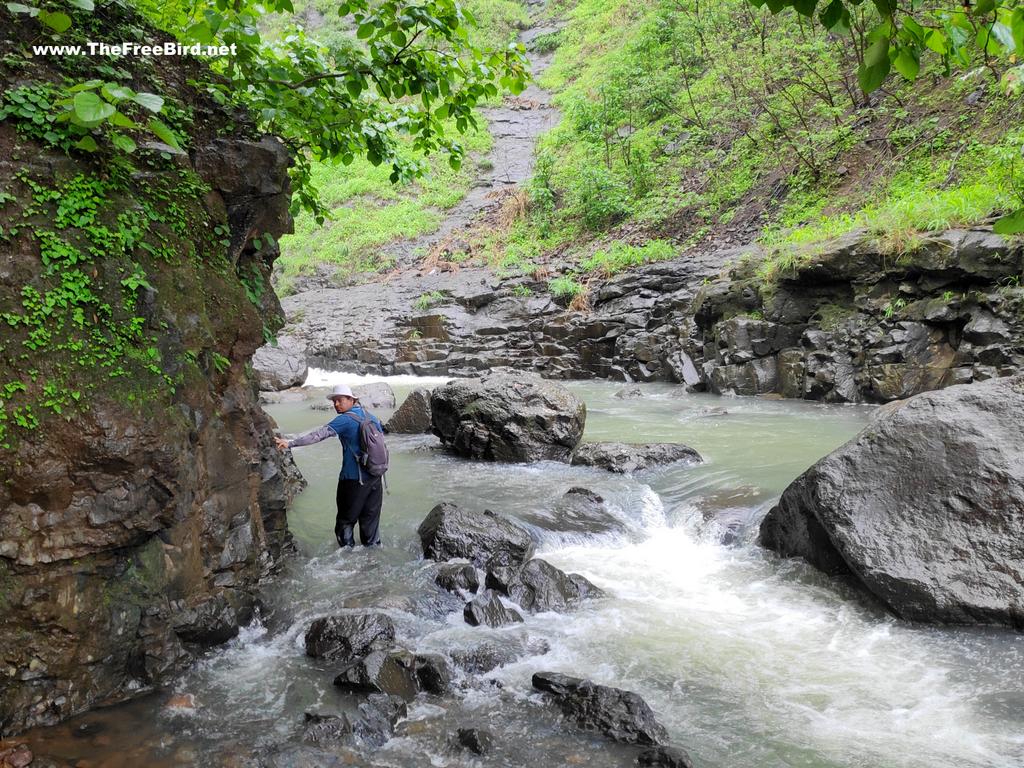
(282,444)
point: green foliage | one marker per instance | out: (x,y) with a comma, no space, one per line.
(565,287)
(621,256)
(521,290)
(428,300)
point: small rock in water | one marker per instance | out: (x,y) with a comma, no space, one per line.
(379,715)
(476,740)
(629,393)
(326,729)
(578,510)
(456,577)
(432,673)
(487,656)
(538,586)
(620,715)
(626,458)
(181,701)
(487,608)
(349,636)
(412,416)
(15,755)
(664,757)
(393,673)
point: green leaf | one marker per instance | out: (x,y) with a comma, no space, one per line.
(87,143)
(58,22)
(1017,28)
(907,64)
(777,5)
(398,38)
(122,142)
(937,41)
(832,15)
(871,78)
(885,7)
(1010,224)
(85,5)
(22,8)
(122,121)
(115,92)
(877,53)
(162,132)
(150,101)
(90,108)
(805,7)
(982,7)
(365,30)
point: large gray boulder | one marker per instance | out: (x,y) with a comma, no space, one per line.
(626,458)
(485,538)
(925,507)
(413,415)
(281,365)
(515,417)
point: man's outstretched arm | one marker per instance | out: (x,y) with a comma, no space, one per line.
(313,436)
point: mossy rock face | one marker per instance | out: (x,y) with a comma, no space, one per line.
(142,496)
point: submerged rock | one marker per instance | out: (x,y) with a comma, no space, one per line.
(326,729)
(579,510)
(392,672)
(281,365)
(628,458)
(378,716)
(476,740)
(487,608)
(620,715)
(514,417)
(664,757)
(487,656)
(413,415)
(485,538)
(924,507)
(349,636)
(538,586)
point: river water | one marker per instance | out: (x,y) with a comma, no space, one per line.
(749,661)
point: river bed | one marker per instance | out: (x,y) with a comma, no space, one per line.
(748,660)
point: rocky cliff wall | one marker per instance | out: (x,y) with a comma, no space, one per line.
(141,498)
(849,323)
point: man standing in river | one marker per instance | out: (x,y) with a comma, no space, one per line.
(360,494)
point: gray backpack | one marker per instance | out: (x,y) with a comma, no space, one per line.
(373,451)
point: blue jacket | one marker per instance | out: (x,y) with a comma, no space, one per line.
(347,431)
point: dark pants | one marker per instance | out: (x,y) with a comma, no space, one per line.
(359,504)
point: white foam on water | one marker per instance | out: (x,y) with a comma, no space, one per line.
(320,377)
(705,632)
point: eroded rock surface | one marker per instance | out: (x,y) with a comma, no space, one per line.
(484,538)
(349,636)
(413,415)
(511,417)
(487,609)
(626,458)
(925,507)
(280,365)
(538,586)
(620,715)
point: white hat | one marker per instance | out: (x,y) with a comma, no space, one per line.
(342,390)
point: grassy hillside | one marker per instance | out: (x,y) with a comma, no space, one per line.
(367,210)
(717,123)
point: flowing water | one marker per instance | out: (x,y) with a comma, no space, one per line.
(749,661)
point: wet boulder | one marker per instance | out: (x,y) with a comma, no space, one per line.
(476,740)
(432,673)
(484,538)
(487,608)
(579,510)
(514,417)
(664,757)
(412,416)
(456,577)
(375,394)
(924,507)
(538,586)
(281,365)
(627,458)
(392,672)
(349,636)
(378,716)
(620,715)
